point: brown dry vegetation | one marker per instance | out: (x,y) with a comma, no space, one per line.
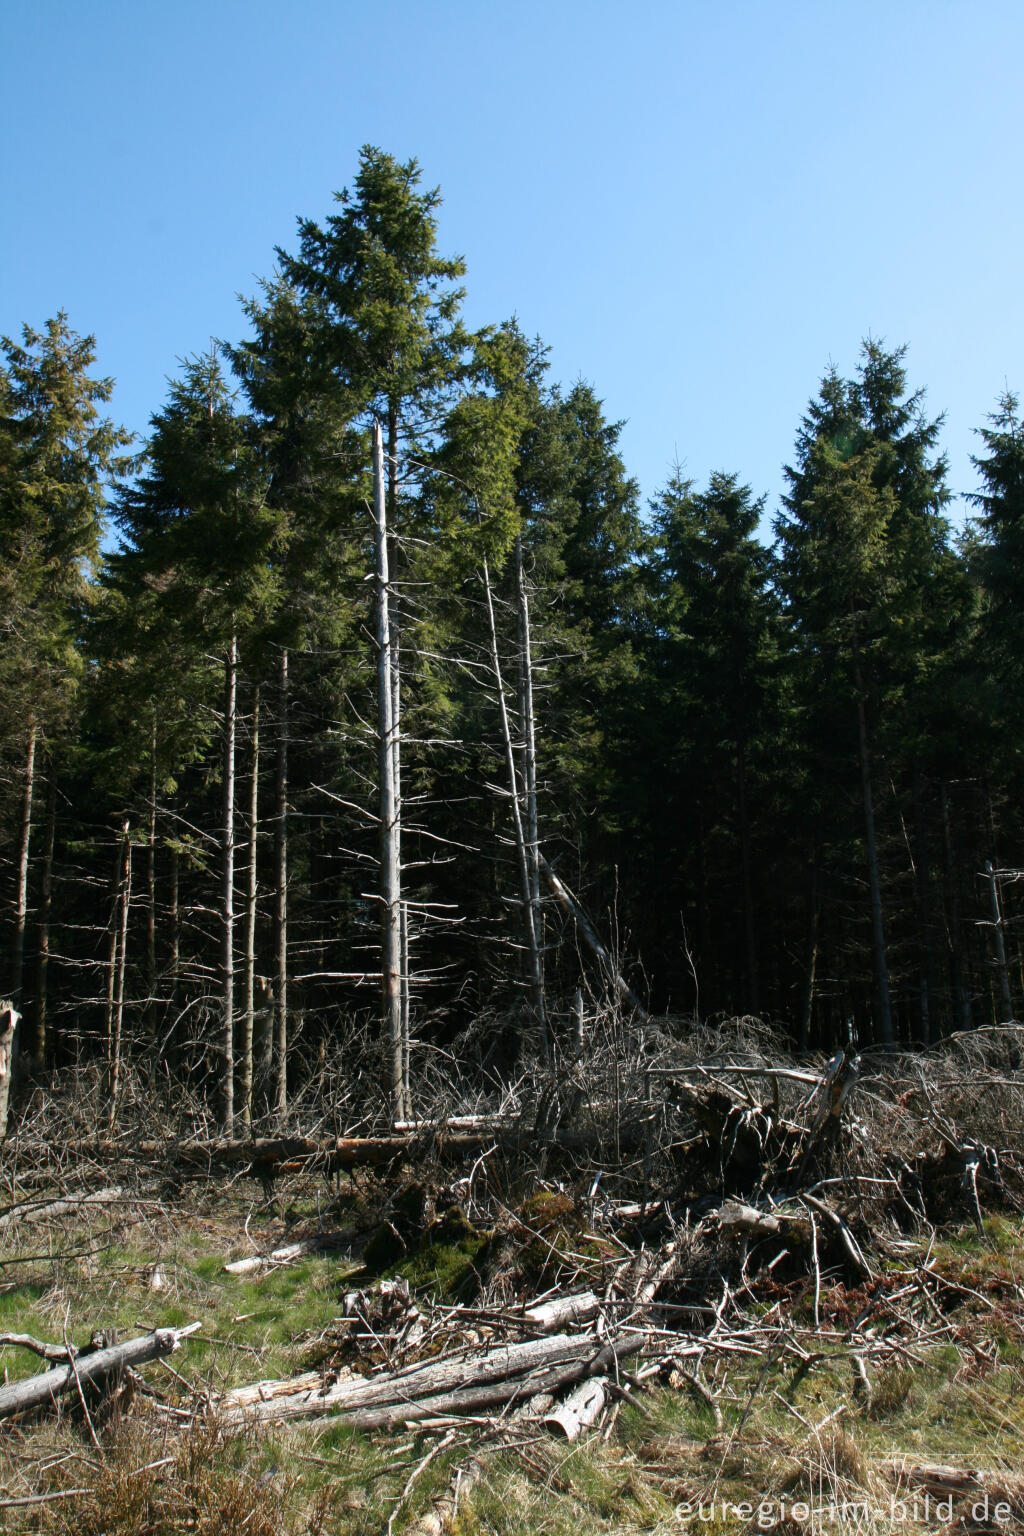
(749,1393)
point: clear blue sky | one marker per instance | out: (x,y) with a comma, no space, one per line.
(696,205)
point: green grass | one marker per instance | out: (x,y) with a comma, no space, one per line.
(959,1398)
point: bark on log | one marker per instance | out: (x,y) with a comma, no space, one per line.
(42,1391)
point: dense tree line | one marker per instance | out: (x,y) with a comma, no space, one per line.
(783,778)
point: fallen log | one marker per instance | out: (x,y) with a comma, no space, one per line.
(39,1347)
(549,1315)
(327,1242)
(33,1210)
(580,1410)
(293,1152)
(42,1391)
(459,1384)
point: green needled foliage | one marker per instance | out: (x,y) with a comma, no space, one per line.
(57,454)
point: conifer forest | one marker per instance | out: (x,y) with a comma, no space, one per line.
(363,719)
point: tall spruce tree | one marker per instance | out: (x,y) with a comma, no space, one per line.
(864,566)
(57,453)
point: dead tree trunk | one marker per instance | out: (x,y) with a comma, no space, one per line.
(961,998)
(150,1011)
(117,1026)
(750,936)
(42,1391)
(245,1081)
(536,972)
(228,889)
(567,901)
(281,889)
(885,1033)
(390,862)
(45,914)
(9,1017)
(529,735)
(1002,969)
(21,900)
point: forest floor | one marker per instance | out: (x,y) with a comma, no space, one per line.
(775,1439)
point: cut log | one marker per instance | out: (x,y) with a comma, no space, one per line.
(42,1391)
(326,1242)
(459,1384)
(549,1315)
(580,1410)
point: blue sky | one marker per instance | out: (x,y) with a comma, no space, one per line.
(697,206)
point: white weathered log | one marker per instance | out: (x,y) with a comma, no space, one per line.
(460,1383)
(326,1242)
(9,1017)
(42,1391)
(578,1308)
(267,1391)
(734,1216)
(32,1211)
(580,1410)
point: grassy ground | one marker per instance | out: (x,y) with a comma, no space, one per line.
(790,1436)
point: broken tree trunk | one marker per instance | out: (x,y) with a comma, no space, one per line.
(42,1391)
(522,853)
(567,901)
(9,1017)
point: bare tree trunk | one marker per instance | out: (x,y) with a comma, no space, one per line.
(390,864)
(961,1001)
(45,912)
(245,1084)
(885,1032)
(396,768)
(21,905)
(753,988)
(529,734)
(1005,999)
(150,1012)
(281,887)
(536,974)
(571,907)
(228,890)
(811,962)
(117,1023)
(281,891)
(922,869)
